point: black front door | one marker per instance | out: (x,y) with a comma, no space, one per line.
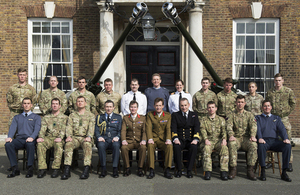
(143,61)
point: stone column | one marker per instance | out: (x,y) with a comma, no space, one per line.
(195,67)
(106,38)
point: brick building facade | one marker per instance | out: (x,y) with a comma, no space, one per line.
(218,20)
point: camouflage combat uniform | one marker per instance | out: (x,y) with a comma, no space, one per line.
(103,97)
(215,131)
(253,103)
(15,96)
(90,101)
(242,126)
(226,103)
(46,97)
(283,103)
(52,127)
(200,100)
(78,128)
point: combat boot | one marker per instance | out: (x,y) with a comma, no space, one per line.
(263,174)
(250,173)
(55,173)
(207,175)
(290,169)
(232,172)
(67,173)
(223,175)
(85,173)
(42,173)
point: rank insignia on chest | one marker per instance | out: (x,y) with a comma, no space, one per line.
(54,124)
(30,119)
(80,122)
(139,122)
(275,120)
(163,121)
(114,121)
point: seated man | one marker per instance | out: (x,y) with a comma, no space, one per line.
(107,133)
(51,135)
(158,129)
(241,130)
(79,133)
(185,128)
(25,127)
(268,128)
(214,134)
(133,136)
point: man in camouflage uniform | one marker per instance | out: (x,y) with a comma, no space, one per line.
(200,100)
(226,99)
(81,91)
(241,130)
(214,133)
(283,101)
(17,93)
(108,94)
(253,100)
(53,92)
(79,133)
(52,134)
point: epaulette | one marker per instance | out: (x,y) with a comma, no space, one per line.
(172,93)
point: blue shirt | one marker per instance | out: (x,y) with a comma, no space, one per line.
(270,127)
(25,127)
(153,93)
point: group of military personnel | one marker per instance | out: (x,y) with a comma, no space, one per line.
(222,123)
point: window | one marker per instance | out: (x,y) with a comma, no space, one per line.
(255,52)
(50,52)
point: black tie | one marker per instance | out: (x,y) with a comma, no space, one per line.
(134,98)
(26,114)
(185,116)
(108,119)
(179,100)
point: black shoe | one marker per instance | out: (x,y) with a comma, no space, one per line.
(67,173)
(140,173)
(178,174)
(167,174)
(15,172)
(85,173)
(42,173)
(151,174)
(199,164)
(9,169)
(207,175)
(269,165)
(115,173)
(290,169)
(55,173)
(224,175)
(127,172)
(285,177)
(103,174)
(263,174)
(29,172)
(189,174)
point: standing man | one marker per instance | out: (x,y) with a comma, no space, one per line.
(135,95)
(226,99)
(213,130)
(52,134)
(202,97)
(156,92)
(25,127)
(108,94)
(88,96)
(79,133)
(158,129)
(53,92)
(107,133)
(133,136)
(186,135)
(268,128)
(241,130)
(176,97)
(17,93)
(283,100)
(253,100)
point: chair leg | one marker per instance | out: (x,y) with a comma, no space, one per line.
(273,162)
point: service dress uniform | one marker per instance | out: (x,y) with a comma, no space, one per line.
(52,127)
(254,103)
(133,131)
(46,97)
(226,103)
(103,96)
(158,128)
(89,98)
(79,127)
(214,129)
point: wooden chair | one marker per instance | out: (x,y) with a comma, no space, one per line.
(273,162)
(24,158)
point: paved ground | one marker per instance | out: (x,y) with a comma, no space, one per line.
(158,185)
